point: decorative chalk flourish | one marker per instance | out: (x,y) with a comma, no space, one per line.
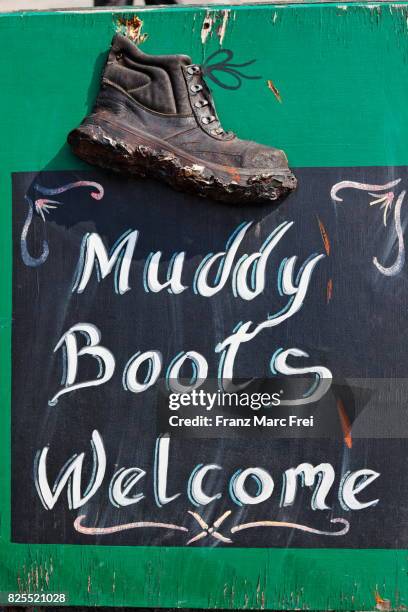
(342,532)
(207,530)
(43,205)
(108,530)
(386,201)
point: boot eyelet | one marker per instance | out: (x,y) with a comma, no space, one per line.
(207,119)
(193,69)
(196,88)
(201,103)
(119,56)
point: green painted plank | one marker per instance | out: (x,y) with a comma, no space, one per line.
(341,71)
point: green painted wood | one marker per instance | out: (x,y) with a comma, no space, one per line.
(342,74)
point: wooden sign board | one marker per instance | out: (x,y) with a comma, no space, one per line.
(126,294)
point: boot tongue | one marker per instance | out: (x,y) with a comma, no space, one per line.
(215,125)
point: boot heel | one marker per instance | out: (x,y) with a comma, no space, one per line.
(97,145)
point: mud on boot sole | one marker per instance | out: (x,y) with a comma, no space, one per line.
(103,143)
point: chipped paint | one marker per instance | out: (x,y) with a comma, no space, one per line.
(274,90)
(324,235)
(132,28)
(329,290)
(34,577)
(222,28)
(345,424)
(206,27)
(220,20)
(380,603)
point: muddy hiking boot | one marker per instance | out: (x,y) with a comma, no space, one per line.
(155,116)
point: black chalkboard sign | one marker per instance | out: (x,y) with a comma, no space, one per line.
(126,292)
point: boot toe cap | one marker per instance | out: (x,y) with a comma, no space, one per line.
(265,158)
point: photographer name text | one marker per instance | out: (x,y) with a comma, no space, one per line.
(251,421)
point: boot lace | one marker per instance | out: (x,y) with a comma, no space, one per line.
(205,100)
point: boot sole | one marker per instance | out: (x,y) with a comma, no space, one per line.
(102,142)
